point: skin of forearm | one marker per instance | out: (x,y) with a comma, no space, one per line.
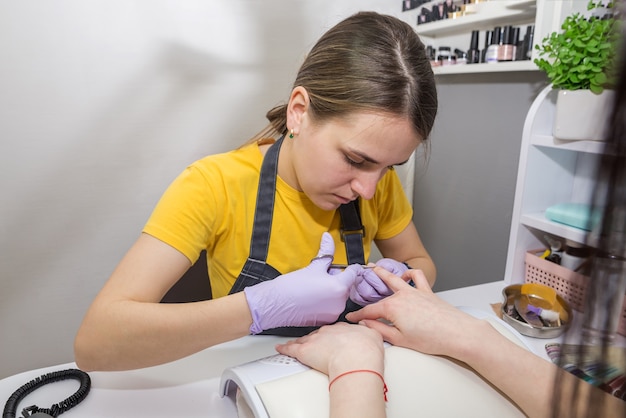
(528,380)
(128,334)
(357,394)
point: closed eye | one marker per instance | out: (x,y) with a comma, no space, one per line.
(362,163)
(365,159)
(352,162)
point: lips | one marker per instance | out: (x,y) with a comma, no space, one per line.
(344,200)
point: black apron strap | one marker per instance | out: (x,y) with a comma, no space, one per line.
(352,232)
(264,212)
(256,269)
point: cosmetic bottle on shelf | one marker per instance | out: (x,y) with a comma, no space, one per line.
(435,15)
(529,40)
(483,53)
(491,56)
(473,54)
(444,51)
(575,255)
(461,56)
(506,47)
(445,60)
(515,41)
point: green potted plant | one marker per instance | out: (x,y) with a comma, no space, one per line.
(579,61)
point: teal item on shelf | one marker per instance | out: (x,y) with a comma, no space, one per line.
(577,215)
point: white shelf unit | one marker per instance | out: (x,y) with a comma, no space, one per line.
(488,15)
(545,15)
(500,67)
(550,172)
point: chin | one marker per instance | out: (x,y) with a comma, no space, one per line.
(330,206)
(326,204)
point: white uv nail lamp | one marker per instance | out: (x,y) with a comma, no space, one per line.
(419,385)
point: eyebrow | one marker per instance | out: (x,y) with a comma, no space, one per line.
(370,159)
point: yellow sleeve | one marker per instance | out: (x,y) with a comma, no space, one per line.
(183,216)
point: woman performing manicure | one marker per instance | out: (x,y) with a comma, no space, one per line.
(317,183)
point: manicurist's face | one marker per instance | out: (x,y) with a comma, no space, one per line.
(343,159)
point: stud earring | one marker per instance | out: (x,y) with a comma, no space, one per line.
(291,133)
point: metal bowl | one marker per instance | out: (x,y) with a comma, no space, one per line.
(510,315)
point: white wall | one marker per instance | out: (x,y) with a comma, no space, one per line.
(102,104)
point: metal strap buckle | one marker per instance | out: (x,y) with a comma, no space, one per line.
(344,232)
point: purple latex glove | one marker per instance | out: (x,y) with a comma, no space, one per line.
(370,288)
(307,297)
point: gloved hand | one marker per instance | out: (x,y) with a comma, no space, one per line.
(370,288)
(307,297)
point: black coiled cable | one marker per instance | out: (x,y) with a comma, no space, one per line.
(10,408)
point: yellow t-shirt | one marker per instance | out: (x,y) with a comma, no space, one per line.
(211,206)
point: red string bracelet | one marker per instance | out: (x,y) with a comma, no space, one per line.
(361,371)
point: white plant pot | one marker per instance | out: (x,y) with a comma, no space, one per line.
(581,114)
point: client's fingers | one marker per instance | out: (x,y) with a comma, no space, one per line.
(392,281)
(372,311)
(389,333)
(419,279)
(288,349)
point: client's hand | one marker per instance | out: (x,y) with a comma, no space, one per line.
(353,358)
(337,348)
(307,297)
(420,320)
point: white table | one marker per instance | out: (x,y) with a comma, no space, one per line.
(189,387)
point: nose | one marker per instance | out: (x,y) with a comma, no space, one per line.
(365,183)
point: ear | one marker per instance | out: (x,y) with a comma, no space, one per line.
(297,108)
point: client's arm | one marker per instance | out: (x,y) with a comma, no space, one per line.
(424,322)
(352,357)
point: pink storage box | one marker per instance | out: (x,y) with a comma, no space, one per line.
(567,283)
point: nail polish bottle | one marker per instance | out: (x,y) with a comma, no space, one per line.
(451,7)
(432,56)
(491,56)
(444,51)
(473,54)
(483,53)
(530,34)
(505,48)
(425,16)
(520,53)
(435,13)
(515,42)
(461,56)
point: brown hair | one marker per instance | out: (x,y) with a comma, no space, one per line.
(367,62)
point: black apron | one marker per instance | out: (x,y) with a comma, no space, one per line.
(256,269)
